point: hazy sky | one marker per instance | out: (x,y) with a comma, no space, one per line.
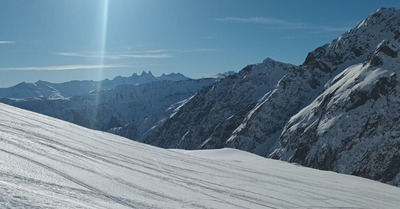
(61,40)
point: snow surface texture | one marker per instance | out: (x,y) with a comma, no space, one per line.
(338,111)
(48,163)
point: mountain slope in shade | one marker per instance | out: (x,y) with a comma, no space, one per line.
(216,111)
(128,110)
(48,163)
(338,111)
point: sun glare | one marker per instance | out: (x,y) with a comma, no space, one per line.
(103,34)
(103,21)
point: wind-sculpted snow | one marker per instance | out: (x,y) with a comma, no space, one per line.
(48,163)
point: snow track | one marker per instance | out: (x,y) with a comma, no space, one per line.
(48,163)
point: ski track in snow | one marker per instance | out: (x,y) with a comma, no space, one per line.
(48,163)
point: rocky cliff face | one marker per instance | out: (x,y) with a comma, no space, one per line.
(338,111)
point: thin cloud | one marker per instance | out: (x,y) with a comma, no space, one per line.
(145,56)
(155,54)
(260,20)
(62,67)
(87,55)
(197,50)
(151,51)
(281,23)
(7,42)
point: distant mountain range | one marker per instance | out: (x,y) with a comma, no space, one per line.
(339,110)
(47,90)
(127,106)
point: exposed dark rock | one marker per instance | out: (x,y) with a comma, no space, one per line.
(384,48)
(376,61)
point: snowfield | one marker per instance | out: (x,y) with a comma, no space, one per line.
(48,163)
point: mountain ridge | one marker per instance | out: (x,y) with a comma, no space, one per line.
(370,51)
(48,90)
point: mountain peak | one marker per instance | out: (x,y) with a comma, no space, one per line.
(173,76)
(146,74)
(383,16)
(386,11)
(24,85)
(143,73)
(269,60)
(356,44)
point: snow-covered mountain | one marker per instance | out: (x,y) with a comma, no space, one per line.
(43,89)
(128,110)
(217,110)
(353,126)
(49,163)
(337,111)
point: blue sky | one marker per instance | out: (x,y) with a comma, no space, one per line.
(92,39)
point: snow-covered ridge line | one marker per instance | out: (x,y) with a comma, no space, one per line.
(48,163)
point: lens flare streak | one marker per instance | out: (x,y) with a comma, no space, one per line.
(102,49)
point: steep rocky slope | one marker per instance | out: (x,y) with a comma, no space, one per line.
(338,111)
(353,126)
(217,110)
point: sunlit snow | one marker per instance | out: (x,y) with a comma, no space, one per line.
(46,162)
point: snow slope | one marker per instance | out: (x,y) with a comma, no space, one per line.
(48,163)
